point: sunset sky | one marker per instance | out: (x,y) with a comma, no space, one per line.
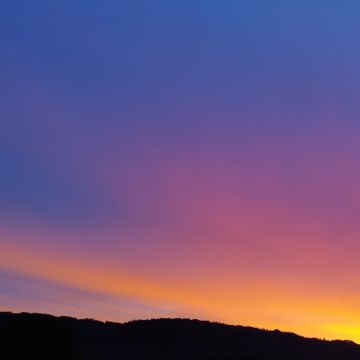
(177,158)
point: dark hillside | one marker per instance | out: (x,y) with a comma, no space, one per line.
(37,336)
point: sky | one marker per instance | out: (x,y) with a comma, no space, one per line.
(182,159)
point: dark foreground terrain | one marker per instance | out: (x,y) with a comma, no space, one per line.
(36,336)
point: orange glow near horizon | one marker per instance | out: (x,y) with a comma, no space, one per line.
(263,302)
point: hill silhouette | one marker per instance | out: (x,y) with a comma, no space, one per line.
(39,336)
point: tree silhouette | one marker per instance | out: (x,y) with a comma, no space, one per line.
(38,336)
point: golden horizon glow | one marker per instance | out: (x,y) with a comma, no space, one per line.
(276,305)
